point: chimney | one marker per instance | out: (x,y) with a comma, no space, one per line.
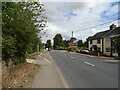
(113,26)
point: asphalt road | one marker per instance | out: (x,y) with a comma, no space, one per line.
(86,72)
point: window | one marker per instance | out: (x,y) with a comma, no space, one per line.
(108,40)
(98,41)
(90,41)
(108,50)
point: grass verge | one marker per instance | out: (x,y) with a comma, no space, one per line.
(20,76)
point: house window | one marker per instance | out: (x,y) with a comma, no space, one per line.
(108,40)
(90,41)
(98,41)
(108,50)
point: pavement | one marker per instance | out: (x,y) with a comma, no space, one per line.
(48,75)
(80,71)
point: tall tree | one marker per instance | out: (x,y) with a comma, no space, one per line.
(48,44)
(116,44)
(65,43)
(80,43)
(57,41)
(20,27)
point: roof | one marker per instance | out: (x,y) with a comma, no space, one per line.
(106,33)
(99,35)
(116,31)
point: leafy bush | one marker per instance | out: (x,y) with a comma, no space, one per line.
(72,49)
(19,31)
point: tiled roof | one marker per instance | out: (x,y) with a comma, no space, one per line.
(116,31)
(106,33)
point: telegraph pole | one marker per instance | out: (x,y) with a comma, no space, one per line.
(72,33)
(38,47)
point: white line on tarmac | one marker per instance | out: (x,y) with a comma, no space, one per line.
(71,57)
(89,64)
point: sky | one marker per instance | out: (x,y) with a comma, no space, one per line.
(79,17)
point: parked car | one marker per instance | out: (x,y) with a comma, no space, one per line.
(84,51)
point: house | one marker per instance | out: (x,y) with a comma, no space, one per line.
(103,41)
(73,44)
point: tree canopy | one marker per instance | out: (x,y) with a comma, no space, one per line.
(21,23)
(116,44)
(58,41)
(72,39)
(48,44)
(80,43)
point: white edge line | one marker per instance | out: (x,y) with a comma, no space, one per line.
(89,64)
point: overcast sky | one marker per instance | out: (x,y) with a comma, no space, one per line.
(65,17)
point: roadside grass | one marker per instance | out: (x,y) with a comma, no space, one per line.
(31,56)
(31,75)
(43,50)
(20,76)
(75,48)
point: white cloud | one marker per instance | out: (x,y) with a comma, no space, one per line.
(76,0)
(87,14)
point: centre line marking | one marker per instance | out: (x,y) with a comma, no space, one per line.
(71,57)
(89,64)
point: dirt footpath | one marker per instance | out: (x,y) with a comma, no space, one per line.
(49,75)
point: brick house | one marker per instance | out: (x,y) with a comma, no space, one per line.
(73,44)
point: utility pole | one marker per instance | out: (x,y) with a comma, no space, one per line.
(72,33)
(38,47)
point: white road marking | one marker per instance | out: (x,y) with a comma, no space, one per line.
(65,54)
(89,64)
(63,51)
(71,57)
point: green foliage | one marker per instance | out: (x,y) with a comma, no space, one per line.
(20,29)
(65,43)
(72,39)
(63,48)
(34,45)
(85,44)
(80,43)
(58,41)
(48,44)
(116,44)
(31,56)
(72,49)
(31,75)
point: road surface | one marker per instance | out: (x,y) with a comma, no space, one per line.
(86,72)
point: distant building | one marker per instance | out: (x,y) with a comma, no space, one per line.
(103,41)
(73,44)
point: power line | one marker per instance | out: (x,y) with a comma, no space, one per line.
(100,24)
